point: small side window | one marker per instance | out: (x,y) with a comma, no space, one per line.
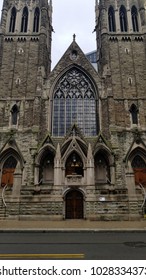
(134,114)
(14,115)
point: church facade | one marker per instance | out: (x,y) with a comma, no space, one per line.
(72,140)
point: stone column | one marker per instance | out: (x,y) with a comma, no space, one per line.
(36,175)
(130,182)
(90,166)
(57,167)
(17,181)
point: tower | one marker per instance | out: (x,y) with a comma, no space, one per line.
(120,30)
(25,47)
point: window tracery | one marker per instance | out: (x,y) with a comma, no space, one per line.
(12,20)
(111,19)
(36,20)
(74,102)
(123,19)
(24,21)
(134,16)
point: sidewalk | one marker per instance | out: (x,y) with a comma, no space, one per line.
(70,225)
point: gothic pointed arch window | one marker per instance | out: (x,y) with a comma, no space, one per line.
(24,20)
(46,174)
(111,19)
(139,167)
(14,115)
(134,113)
(8,171)
(123,19)
(74,102)
(74,165)
(12,20)
(134,16)
(36,20)
(102,169)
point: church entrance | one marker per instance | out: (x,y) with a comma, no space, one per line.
(8,171)
(74,205)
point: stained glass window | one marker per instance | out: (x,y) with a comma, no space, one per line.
(74,103)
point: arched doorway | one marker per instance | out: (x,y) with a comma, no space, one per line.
(139,168)
(74,205)
(8,171)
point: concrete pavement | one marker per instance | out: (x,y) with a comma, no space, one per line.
(68,225)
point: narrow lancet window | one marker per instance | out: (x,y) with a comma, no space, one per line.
(134,16)
(111,19)
(36,20)
(134,114)
(123,19)
(12,20)
(24,22)
(14,115)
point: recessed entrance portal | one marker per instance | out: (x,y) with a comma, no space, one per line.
(74,205)
(8,171)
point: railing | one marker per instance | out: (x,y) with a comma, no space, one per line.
(3,195)
(144,193)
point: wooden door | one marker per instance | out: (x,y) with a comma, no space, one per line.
(8,171)
(74,205)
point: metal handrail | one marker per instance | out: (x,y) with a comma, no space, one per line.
(3,195)
(144,192)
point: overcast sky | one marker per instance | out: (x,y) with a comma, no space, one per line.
(69,17)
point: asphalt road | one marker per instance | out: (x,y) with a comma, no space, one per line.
(73,245)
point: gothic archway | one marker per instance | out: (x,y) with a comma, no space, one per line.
(8,171)
(46,173)
(74,205)
(139,168)
(74,165)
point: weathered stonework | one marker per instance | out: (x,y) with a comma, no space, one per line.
(41,186)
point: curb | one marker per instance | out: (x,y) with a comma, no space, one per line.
(72,229)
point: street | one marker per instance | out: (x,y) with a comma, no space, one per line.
(94,245)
